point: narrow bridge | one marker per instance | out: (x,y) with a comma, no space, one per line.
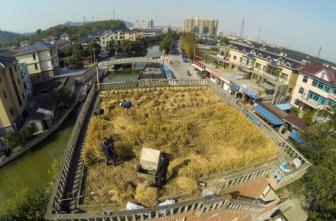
(130,60)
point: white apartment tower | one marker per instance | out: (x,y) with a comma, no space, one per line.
(207,26)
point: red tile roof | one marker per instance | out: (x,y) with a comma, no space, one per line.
(296,122)
(311,69)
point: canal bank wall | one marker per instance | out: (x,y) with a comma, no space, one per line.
(37,140)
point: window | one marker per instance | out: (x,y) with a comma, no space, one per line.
(331,103)
(11,111)
(5,94)
(290,90)
(317,98)
(19,81)
(15,68)
(297,102)
(34,56)
(11,73)
(305,79)
(284,76)
(23,96)
(36,68)
(301,90)
(258,66)
(234,57)
(321,86)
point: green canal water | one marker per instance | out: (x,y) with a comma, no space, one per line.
(31,169)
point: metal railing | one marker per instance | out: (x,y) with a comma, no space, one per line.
(127,61)
(58,192)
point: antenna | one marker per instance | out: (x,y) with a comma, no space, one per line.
(319,52)
(242,29)
(92,18)
(259,32)
(113,14)
(84,20)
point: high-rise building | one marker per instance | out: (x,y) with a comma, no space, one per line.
(13,97)
(201,25)
(144,24)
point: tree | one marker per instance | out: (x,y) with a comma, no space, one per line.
(166,42)
(94,48)
(188,43)
(76,59)
(308,116)
(29,204)
(18,138)
(319,183)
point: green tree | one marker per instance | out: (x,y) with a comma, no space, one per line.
(29,204)
(26,205)
(76,58)
(18,138)
(319,183)
(188,44)
(166,43)
(94,48)
(308,116)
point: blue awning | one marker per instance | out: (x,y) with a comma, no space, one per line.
(295,136)
(284,107)
(268,115)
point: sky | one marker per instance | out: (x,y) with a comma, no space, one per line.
(304,25)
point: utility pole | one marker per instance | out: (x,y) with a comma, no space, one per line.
(259,32)
(97,72)
(242,29)
(113,14)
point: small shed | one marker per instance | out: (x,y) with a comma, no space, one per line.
(148,164)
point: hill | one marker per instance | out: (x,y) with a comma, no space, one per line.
(76,31)
(6,36)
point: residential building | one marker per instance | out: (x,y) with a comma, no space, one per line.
(41,59)
(206,26)
(276,73)
(13,97)
(118,36)
(65,36)
(144,24)
(315,88)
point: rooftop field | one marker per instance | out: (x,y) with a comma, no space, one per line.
(201,135)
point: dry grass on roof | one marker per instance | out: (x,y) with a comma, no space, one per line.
(201,135)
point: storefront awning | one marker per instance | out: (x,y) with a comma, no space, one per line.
(268,115)
(197,67)
(284,107)
(295,136)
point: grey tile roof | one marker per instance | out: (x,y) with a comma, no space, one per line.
(37,46)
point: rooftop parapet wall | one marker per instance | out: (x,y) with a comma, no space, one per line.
(59,193)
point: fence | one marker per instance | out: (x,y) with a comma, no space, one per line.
(61,181)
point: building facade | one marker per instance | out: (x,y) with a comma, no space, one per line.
(118,36)
(201,25)
(275,73)
(316,88)
(144,24)
(41,60)
(13,97)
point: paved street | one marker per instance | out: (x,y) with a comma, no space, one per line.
(178,67)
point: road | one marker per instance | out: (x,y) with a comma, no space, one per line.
(178,67)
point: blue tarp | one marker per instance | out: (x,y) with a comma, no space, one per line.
(284,107)
(268,115)
(295,136)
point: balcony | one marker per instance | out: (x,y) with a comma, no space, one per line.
(332,97)
(264,74)
(311,103)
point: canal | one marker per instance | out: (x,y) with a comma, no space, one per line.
(31,170)
(129,74)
